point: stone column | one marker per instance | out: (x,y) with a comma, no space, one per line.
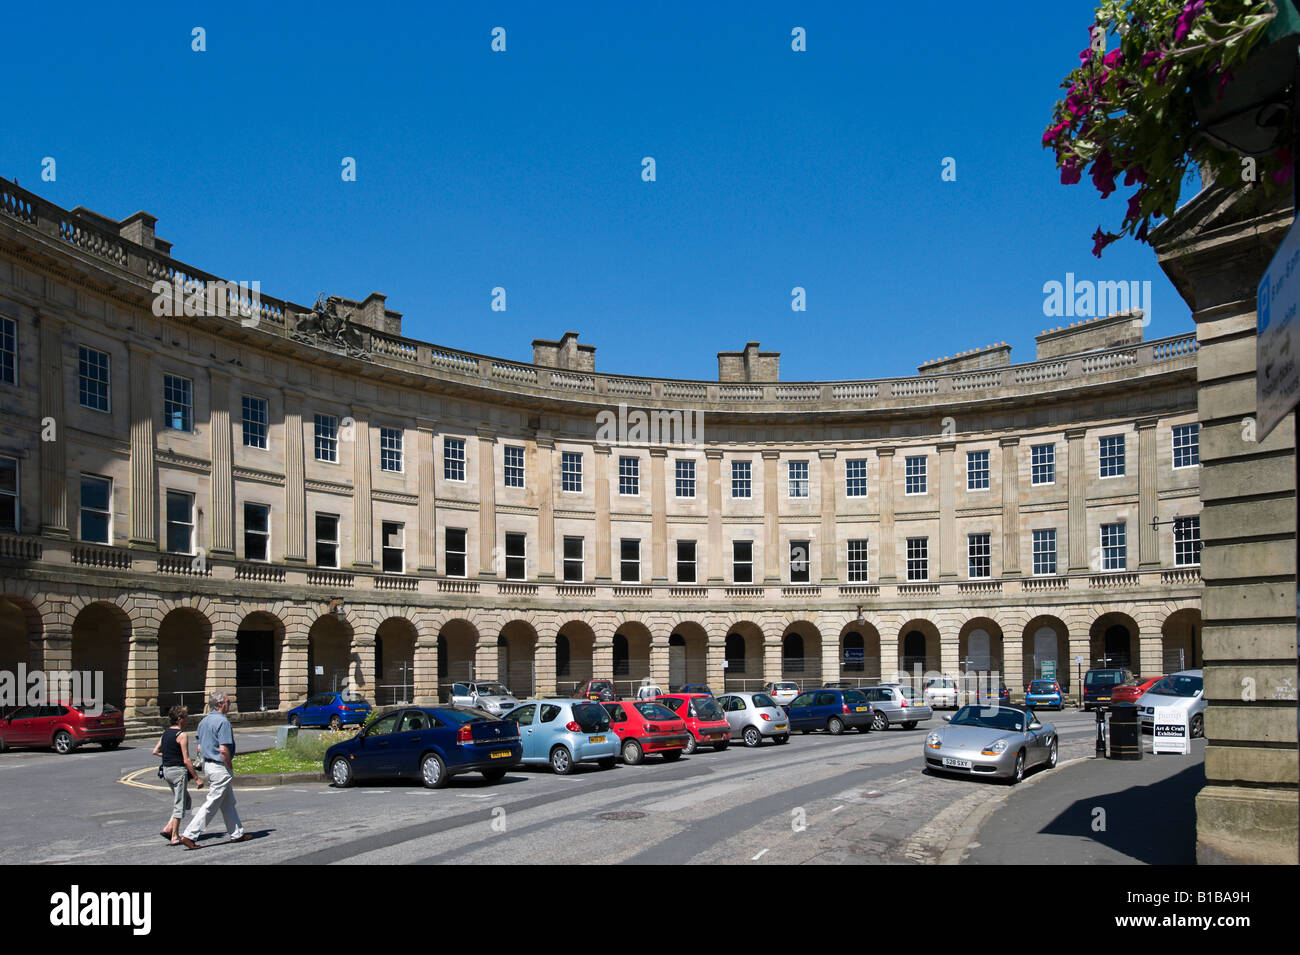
(363,537)
(223,652)
(295,478)
(486,655)
(56,643)
(544,665)
(545,450)
(716,655)
(361,664)
(771,658)
(293,676)
(948,552)
(1150,650)
(889,652)
(658,517)
(1010,507)
(144,474)
(603,546)
(1148,488)
(1076,484)
(426,515)
(142,673)
(771,533)
(830,658)
(715,559)
(1013,662)
(659,659)
(888,547)
(426,671)
(830,546)
(54,469)
(602,656)
(487,507)
(222,519)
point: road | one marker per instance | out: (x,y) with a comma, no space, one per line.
(818,799)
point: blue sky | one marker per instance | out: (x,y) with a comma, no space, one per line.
(522,169)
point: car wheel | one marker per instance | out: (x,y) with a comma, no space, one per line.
(719,747)
(63,742)
(607,763)
(341,772)
(561,761)
(111,743)
(1197,728)
(1018,774)
(752,736)
(879,721)
(336,723)
(783,739)
(1052,756)
(690,748)
(805,732)
(433,771)
(835,726)
(910,725)
(632,752)
(671,755)
(864,728)
(494,775)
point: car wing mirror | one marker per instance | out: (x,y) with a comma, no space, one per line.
(1035,725)
(947,718)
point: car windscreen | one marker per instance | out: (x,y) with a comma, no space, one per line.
(459,716)
(910,694)
(989,718)
(853,697)
(1187,686)
(1104,676)
(653,711)
(492,689)
(707,709)
(762,699)
(1042,686)
(590,717)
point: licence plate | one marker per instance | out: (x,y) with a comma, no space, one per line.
(501,754)
(596,739)
(956,763)
(859,709)
(780,726)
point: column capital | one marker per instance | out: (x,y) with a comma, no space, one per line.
(1146,424)
(485,434)
(601,448)
(769,455)
(1009,442)
(426,424)
(291,392)
(658,452)
(713,453)
(361,412)
(946,447)
(544,439)
(1075,434)
(827,454)
(885,452)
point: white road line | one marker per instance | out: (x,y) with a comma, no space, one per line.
(760,855)
(837,809)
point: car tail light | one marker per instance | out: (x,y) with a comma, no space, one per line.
(765,717)
(1056,688)
(572,727)
(464,734)
(651,728)
(904,702)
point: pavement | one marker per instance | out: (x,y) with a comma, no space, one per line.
(1098,812)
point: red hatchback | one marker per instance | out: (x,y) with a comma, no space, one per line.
(62,727)
(647,727)
(1129,692)
(704,720)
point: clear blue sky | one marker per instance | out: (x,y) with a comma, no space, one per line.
(523,169)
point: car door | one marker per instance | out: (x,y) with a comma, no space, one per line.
(523,717)
(401,754)
(374,747)
(318,709)
(800,712)
(1036,741)
(21,730)
(618,720)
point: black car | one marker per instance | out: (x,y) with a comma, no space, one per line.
(1099,684)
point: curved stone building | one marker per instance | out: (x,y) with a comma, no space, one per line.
(204,487)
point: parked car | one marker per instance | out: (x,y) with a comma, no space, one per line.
(781,692)
(1098,685)
(649,691)
(694,688)
(1184,690)
(1132,691)
(62,726)
(428,743)
(830,709)
(1044,693)
(334,710)
(839,685)
(998,741)
(565,732)
(644,727)
(491,698)
(704,720)
(941,692)
(989,696)
(754,717)
(895,703)
(598,691)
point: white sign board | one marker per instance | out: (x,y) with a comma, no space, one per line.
(1169,731)
(320,671)
(1277,348)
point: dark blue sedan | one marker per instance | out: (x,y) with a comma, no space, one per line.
(431,744)
(831,709)
(334,710)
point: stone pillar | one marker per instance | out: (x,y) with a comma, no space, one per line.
(144,474)
(1150,650)
(658,517)
(948,552)
(1148,488)
(949,652)
(544,666)
(830,657)
(487,507)
(603,546)
(54,469)
(771,534)
(295,478)
(771,658)
(714,558)
(545,451)
(56,646)
(293,676)
(659,659)
(716,655)
(363,537)
(426,512)
(486,655)
(1076,484)
(222,519)
(888,547)
(889,654)
(830,546)
(602,657)
(426,671)
(1010,507)
(223,651)
(1013,663)
(142,673)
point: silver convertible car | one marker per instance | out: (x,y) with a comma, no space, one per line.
(991,740)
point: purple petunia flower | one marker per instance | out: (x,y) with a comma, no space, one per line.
(1187,18)
(1103,174)
(1071,172)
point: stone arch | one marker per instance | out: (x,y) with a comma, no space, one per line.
(979,646)
(575,652)
(801,653)
(1180,641)
(395,641)
(22,633)
(184,645)
(688,653)
(632,640)
(101,642)
(330,660)
(918,651)
(743,650)
(1113,641)
(517,656)
(1046,640)
(862,636)
(458,639)
(259,661)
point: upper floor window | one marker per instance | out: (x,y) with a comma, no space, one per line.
(390,449)
(8,351)
(629,475)
(96,509)
(742,562)
(453,459)
(327,438)
(9,495)
(454,552)
(516,556)
(571,471)
(915,475)
(574,550)
(257,531)
(918,558)
(858,561)
(977,470)
(93,378)
(684,478)
(327,540)
(514,467)
(978,555)
(1187,541)
(180,522)
(686,562)
(393,539)
(798,475)
(855,477)
(1045,551)
(178,403)
(1114,547)
(799,562)
(1112,456)
(1187,445)
(629,560)
(741,479)
(256,418)
(1042,464)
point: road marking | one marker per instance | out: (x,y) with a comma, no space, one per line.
(759,856)
(837,809)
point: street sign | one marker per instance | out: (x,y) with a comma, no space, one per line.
(1277,346)
(1049,670)
(854,655)
(1169,732)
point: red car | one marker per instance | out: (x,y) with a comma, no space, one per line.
(62,727)
(1130,691)
(704,720)
(647,727)
(598,691)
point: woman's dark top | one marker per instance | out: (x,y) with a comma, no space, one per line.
(171,750)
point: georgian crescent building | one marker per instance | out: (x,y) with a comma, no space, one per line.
(203,487)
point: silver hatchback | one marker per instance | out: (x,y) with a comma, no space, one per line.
(895,703)
(755,717)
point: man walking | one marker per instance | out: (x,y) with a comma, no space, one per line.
(217,747)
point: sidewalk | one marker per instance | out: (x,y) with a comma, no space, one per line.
(1149,814)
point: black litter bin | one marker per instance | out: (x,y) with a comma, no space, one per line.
(1125,734)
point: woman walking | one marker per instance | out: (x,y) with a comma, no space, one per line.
(174,748)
